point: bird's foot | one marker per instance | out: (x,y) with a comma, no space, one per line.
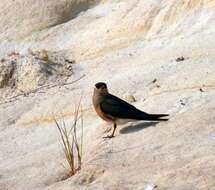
(112,134)
(108,136)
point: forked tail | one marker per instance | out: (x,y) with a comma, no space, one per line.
(157,117)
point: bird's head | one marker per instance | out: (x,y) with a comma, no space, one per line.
(101,88)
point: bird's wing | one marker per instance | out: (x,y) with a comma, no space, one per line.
(116,107)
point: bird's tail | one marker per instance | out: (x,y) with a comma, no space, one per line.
(157,117)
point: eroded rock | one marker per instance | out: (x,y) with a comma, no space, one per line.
(27,72)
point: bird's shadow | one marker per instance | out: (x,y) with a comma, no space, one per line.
(137,127)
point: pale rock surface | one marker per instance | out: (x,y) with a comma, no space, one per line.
(20,18)
(127,44)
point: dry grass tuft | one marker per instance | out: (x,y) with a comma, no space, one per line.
(72,147)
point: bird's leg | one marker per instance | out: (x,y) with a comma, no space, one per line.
(114,129)
(112,134)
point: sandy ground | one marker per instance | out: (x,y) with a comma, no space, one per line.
(127,44)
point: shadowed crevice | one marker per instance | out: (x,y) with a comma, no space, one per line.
(77,7)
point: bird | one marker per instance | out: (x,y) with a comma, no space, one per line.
(117,111)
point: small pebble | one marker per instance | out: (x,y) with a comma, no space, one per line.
(150,187)
(182,103)
(154,81)
(180,59)
(201,90)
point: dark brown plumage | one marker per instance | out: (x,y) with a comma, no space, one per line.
(115,110)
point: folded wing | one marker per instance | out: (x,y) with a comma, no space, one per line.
(118,108)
